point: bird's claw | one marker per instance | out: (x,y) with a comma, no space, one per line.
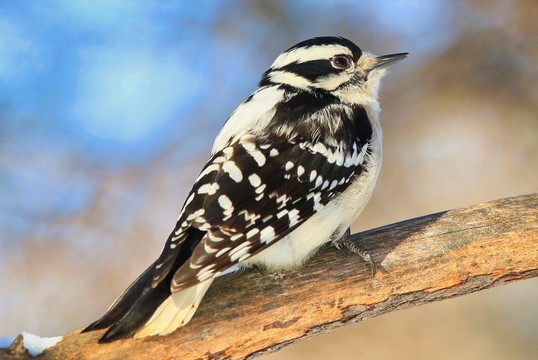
(345,243)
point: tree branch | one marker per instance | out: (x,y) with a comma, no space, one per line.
(421,260)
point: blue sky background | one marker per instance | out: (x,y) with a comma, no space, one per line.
(111,84)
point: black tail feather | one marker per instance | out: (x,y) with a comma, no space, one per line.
(124,302)
(140,312)
(136,305)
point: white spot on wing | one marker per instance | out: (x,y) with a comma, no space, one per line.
(206,272)
(232,170)
(320,148)
(240,250)
(319,181)
(195,214)
(333,184)
(235,237)
(248,142)
(313,175)
(208,249)
(260,189)
(267,235)
(204,227)
(254,180)
(283,199)
(219,160)
(289,165)
(317,205)
(249,216)
(244,257)
(348,161)
(208,189)
(258,157)
(293,216)
(225,202)
(331,158)
(339,156)
(213,237)
(222,251)
(252,232)
(248,145)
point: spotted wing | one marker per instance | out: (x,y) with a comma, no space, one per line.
(251,194)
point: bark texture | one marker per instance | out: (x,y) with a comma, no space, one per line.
(426,259)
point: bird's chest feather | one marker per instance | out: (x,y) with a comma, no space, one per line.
(351,124)
(330,222)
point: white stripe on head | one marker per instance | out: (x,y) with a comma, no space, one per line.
(289,78)
(316,52)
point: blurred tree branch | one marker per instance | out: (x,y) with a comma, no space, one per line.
(421,260)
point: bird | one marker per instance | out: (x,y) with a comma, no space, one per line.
(290,170)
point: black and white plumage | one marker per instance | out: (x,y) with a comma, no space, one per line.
(291,169)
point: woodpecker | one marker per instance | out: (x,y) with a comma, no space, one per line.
(291,169)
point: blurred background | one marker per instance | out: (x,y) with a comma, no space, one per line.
(108,110)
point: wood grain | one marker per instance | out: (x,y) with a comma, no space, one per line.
(435,257)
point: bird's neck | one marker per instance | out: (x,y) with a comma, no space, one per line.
(303,115)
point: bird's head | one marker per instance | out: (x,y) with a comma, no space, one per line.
(331,64)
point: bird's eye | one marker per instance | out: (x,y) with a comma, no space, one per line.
(341,62)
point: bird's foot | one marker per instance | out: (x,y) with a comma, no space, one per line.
(275,275)
(345,243)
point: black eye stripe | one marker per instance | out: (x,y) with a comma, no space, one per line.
(311,70)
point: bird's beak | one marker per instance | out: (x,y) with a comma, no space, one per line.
(385,60)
